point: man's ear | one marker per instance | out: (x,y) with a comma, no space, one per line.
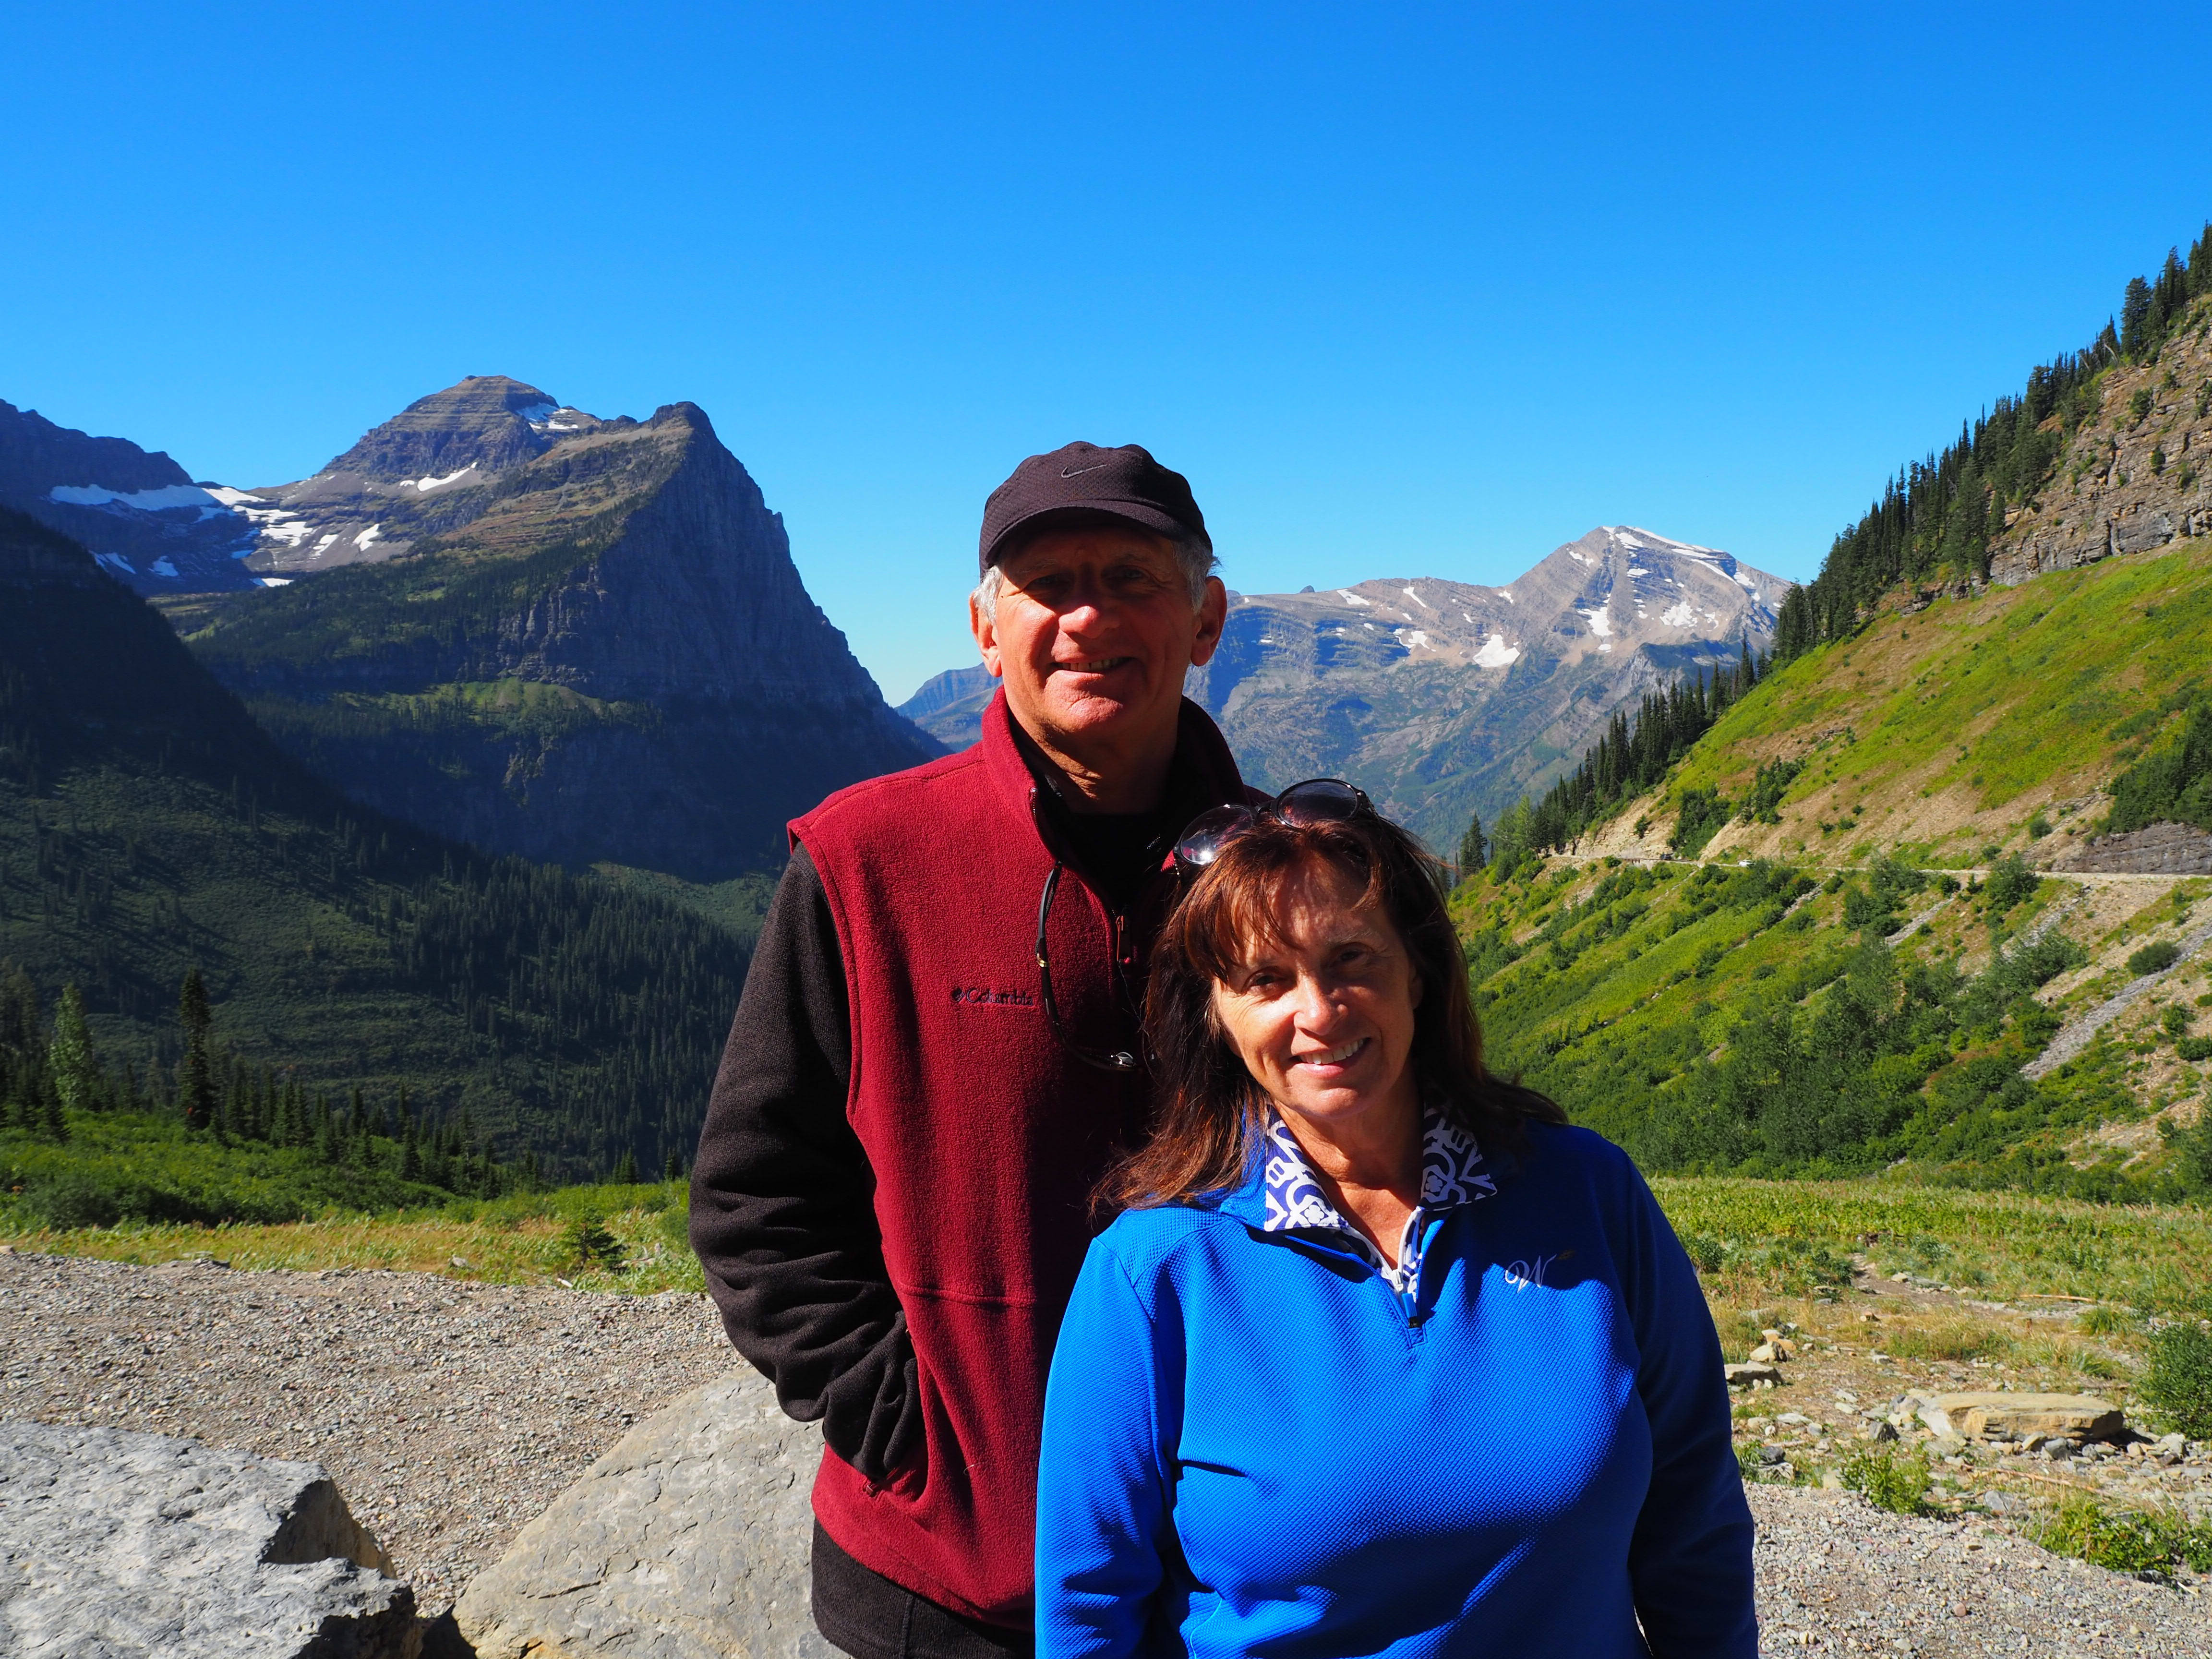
(1213,617)
(987,636)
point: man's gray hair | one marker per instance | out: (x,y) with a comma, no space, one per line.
(1196,556)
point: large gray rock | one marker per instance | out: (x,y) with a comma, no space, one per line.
(2165,849)
(688,1540)
(114,1544)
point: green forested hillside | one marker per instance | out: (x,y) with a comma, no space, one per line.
(1859,943)
(1851,916)
(147,827)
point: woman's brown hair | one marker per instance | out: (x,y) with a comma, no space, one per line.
(1210,1113)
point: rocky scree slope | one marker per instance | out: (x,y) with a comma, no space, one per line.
(597,648)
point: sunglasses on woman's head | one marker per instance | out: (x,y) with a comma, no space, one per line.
(1317,800)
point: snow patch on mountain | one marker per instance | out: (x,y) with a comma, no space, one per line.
(141,501)
(1495,653)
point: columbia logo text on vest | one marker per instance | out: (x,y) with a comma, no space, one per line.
(981,996)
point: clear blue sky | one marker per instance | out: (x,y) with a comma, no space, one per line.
(1406,290)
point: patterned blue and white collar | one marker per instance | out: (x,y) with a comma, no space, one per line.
(1451,1175)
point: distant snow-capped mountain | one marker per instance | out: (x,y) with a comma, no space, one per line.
(152,526)
(1442,698)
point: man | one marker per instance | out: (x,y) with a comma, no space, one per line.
(935,1056)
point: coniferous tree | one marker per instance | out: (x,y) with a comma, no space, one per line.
(2135,313)
(1474,852)
(195,1074)
(79,1085)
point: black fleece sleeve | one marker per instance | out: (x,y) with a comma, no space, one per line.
(782,1198)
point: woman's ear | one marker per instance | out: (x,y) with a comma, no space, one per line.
(1419,985)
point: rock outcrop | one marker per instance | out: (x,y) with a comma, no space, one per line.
(2161,849)
(2132,479)
(688,1540)
(115,1544)
(2003,1416)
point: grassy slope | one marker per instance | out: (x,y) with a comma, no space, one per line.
(1943,732)
(1936,736)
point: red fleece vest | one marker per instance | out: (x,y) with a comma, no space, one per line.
(985,1134)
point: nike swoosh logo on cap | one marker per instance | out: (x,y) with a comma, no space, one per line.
(1078,472)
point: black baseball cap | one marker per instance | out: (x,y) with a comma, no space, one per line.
(1082,483)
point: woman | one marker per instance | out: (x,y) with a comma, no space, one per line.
(1379,1355)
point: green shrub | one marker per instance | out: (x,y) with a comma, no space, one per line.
(2179,1379)
(2155,958)
(2105,1320)
(1887,1481)
(2194,1048)
(2010,881)
(1707,1254)
(2038,827)
(2126,1541)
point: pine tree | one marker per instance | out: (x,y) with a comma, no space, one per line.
(1473,851)
(79,1085)
(672,1168)
(2135,313)
(195,1080)
(625,1173)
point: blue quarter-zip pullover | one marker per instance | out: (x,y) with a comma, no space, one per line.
(1253,1445)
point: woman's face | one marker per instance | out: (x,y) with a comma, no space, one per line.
(1324,1019)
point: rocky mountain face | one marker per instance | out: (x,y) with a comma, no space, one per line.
(597,650)
(950,706)
(153,528)
(145,520)
(2133,478)
(1442,698)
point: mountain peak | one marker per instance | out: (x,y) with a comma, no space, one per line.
(488,421)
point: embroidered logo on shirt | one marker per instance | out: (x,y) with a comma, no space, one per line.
(982,996)
(1451,1175)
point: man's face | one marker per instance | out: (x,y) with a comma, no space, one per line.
(1093,631)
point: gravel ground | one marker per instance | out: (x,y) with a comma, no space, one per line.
(451,1414)
(1835,1575)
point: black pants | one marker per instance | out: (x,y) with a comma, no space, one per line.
(869,1617)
